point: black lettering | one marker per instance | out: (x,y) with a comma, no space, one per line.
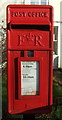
(28,66)
(30,77)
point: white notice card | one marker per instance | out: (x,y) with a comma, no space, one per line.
(29,78)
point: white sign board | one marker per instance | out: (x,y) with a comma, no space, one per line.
(29,78)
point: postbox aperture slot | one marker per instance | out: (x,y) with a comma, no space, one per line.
(38,27)
(29,78)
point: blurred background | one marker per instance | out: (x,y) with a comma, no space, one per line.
(56,113)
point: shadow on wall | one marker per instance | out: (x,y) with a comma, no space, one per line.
(56,63)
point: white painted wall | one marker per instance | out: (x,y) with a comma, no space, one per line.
(56,6)
(56,58)
(61,34)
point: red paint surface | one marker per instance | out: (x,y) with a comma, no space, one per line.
(27,36)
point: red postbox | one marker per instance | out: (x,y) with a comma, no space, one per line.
(30,50)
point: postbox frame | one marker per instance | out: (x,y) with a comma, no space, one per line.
(14,105)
